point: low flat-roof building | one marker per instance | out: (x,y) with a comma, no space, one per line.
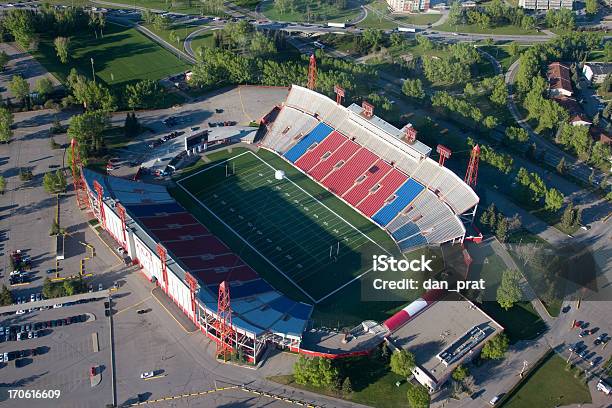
(546,4)
(446,334)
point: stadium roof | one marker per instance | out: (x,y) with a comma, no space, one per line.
(154,216)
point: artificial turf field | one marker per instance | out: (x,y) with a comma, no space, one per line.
(308,236)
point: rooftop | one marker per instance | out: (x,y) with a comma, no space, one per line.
(444,334)
(559,76)
(600,68)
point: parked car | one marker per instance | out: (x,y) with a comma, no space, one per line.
(147,374)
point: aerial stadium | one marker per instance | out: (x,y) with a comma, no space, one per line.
(320,190)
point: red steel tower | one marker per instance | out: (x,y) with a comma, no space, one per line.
(312,73)
(339,94)
(193,288)
(471,176)
(444,152)
(100,191)
(79,185)
(163,256)
(121,211)
(224,322)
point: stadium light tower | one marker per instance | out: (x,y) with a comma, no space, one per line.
(100,191)
(339,94)
(444,152)
(471,176)
(312,73)
(224,321)
(368,109)
(77,179)
(410,133)
(121,210)
(163,256)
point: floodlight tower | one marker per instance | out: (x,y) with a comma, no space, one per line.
(339,94)
(312,73)
(368,109)
(224,321)
(121,211)
(163,256)
(410,133)
(100,192)
(471,176)
(444,152)
(77,178)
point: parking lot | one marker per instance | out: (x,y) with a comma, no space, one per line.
(60,358)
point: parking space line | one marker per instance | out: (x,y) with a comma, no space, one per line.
(134,305)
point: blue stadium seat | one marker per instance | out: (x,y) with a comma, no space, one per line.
(320,132)
(405,231)
(151,210)
(301,311)
(405,194)
(282,304)
(415,241)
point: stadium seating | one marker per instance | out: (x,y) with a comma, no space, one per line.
(388,185)
(412,242)
(366,162)
(372,176)
(404,196)
(290,125)
(342,179)
(313,156)
(319,133)
(342,154)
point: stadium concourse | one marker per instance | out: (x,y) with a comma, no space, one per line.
(370,165)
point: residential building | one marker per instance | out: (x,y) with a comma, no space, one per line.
(559,82)
(546,4)
(408,6)
(577,116)
(600,135)
(596,72)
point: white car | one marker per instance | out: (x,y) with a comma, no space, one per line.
(20,312)
(58,305)
(147,374)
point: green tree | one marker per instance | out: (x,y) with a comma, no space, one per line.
(373,37)
(600,154)
(144,94)
(455,13)
(561,166)
(6,122)
(20,88)
(413,88)
(2,184)
(490,122)
(496,348)
(62,48)
(6,297)
(87,128)
(347,387)
(568,218)
(501,230)
(517,134)
(591,7)
(20,23)
(69,287)
(55,228)
(418,397)
(44,87)
(4,59)
(553,200)
(460,373)
(92,95)
(509,290)
(402,362)
(514,49)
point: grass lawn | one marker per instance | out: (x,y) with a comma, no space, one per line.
(320,11)
(500,53)
(549,386)
(418,19)
(122,56)
(475,29)
(318,218)
(373,383)
(376,21)
(521,321)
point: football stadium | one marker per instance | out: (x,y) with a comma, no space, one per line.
(321,190)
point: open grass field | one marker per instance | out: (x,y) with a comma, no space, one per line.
(319,11)
(549,386)
(122,56)
(475,29)
(306,235)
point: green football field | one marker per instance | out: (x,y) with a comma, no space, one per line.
(302,232)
